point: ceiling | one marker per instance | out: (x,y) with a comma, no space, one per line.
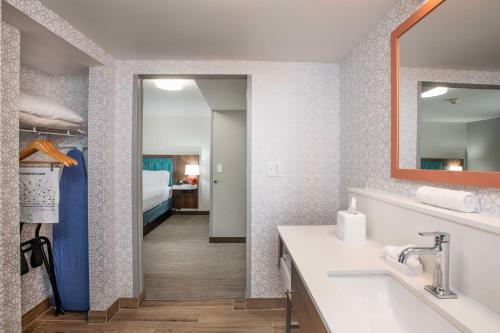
(286,30)
(198,97)
(187,102)
(473,105)
(43,50)
(459,34)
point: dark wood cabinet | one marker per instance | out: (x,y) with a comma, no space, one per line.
(302,315)
(309,320)
(186,198)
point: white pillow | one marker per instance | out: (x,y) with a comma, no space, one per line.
(29,120)
(46,108)
(152,178)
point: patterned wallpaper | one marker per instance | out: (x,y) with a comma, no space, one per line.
(365,113)
(71,91)
(102,221)
(294,120)
(105,239)
(10,280)
(409,76)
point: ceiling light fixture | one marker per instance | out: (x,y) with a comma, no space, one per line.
(438,91)
(169,84)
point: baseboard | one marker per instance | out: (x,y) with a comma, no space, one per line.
(142,297)
(30,316)
(227,239)
(191,212)
(128,303)
(105,315)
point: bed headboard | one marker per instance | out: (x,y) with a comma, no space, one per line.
(158,162)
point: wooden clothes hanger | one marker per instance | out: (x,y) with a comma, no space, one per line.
(48,148)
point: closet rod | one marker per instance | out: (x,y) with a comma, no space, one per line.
(63,133)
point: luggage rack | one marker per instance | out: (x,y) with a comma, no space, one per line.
(46,131)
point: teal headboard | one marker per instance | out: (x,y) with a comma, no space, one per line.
(155,163)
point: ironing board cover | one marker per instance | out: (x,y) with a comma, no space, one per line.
(71,237)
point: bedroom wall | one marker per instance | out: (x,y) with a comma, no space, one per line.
(365,110)
(293,118)
(181,135)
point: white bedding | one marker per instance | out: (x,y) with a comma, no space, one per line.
(153,196)
(155,189)
(46,108)
(29,120)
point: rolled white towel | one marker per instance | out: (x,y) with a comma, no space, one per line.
(393,252)
(461,201)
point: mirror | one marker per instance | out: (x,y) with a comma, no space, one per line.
(446,93)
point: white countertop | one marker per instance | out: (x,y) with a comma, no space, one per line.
(316,251)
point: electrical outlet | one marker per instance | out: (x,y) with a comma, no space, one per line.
(274,169)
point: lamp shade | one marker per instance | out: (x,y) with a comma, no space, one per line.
(192,170)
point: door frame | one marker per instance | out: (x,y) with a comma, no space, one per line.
(137,134)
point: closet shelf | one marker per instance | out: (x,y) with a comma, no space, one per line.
(45,131)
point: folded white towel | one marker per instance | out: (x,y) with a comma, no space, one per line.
(461,201)
(393,252)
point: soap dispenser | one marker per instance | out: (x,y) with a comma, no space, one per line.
(351,224)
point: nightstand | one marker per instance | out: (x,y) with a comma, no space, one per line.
(185,196)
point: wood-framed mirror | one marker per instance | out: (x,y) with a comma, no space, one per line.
(445,94)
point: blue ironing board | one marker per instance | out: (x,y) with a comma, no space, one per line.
(71,259)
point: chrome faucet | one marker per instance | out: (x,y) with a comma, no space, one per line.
(441,250)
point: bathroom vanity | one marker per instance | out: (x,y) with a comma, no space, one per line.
(341,287)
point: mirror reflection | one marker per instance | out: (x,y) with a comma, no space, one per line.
(449,98)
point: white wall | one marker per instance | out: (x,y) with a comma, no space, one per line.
(483,142)
(182,135)
(443,140)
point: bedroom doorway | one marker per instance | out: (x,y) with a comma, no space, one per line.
(192,239)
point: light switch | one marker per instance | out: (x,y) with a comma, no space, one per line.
(274,169)
(219,167)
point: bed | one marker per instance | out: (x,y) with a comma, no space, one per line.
(157,199)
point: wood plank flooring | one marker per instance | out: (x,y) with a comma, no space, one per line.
(201,316)
(180,263)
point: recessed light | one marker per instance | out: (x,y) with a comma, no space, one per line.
(169,84)
(438,91)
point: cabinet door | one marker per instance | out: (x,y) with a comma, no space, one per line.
(304,310)
(186,199)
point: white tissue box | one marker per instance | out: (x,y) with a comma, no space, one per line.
(351,227)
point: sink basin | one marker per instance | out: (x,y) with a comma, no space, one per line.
(381,304)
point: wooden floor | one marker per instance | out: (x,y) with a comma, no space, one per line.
(208,316)
(180,263)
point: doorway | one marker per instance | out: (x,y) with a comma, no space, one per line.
(192,148)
